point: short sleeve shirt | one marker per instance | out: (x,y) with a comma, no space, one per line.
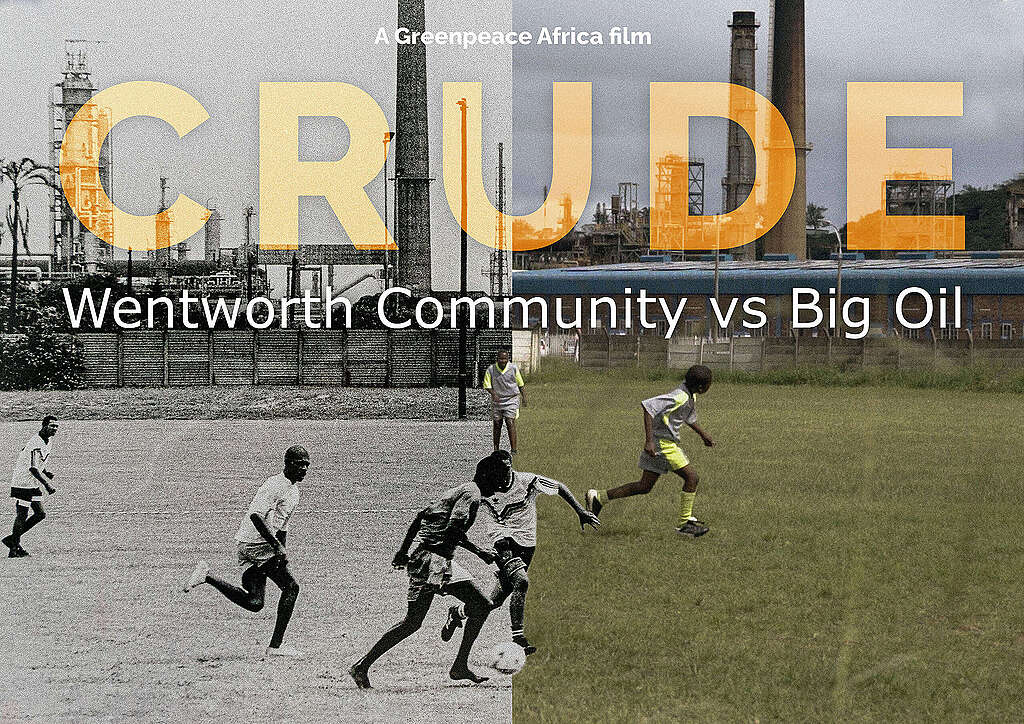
(669,412)
(274,502)
(513,514)
(34,455)
(455,510)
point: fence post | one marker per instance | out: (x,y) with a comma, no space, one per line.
(433,358)
(211,380)
(796,346)
(700,353)
(167,365)
(970,345)
(764,351)
(476,358)
(935,347)
(346,375)
(255,357)
(732,351)
(864,353)
(120,359)
(828,348)
(298,356)
(389,356)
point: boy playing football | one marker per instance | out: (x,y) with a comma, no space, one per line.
(261,550)
(664,415)
(513,517)
(438,530)
(30,472)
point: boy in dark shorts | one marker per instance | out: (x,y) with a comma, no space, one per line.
(437,531)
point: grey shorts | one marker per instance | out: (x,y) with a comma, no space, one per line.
(432,572)
(254,554)
(505,411)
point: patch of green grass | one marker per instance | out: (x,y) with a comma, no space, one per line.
(971,378)
(863,562)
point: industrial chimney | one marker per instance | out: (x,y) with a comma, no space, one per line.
(412,170)
(739,178)
(789,235)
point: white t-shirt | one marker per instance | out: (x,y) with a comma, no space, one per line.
(514,513)
(275,502)
(33,455)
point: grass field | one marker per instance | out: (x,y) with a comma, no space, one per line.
(95,626)
(863,564)
(864,560)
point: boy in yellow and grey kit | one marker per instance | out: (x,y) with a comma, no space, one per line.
(505,383)
(664,415)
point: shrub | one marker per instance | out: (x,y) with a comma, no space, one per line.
(40,360)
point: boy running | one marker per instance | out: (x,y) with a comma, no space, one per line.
(506,386)
(30,472)
(513,514)
(438,530)
(261,550)
(664,415)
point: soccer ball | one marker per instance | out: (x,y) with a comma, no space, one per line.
(509,658)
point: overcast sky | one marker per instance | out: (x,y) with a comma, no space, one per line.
(219,52)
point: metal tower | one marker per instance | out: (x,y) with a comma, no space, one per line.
(72,246)
(499,263)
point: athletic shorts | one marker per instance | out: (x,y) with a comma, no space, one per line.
(505,411)
(515,565)
(26,496)
(254,554)
(524,553)
(670,458)
(432,572)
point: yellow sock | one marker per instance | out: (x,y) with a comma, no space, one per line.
(602,497)
(686,506)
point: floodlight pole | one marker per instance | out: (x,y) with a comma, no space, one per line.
(718,245)
(463,269)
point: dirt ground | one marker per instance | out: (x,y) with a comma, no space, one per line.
(245,402)
(95,626)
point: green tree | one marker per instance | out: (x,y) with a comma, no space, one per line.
(20,174)
(816,216)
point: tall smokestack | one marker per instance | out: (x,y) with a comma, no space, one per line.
(412,170)
(789,236)
(739,178)
(211,232)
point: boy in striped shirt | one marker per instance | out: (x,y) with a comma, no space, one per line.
(512,514)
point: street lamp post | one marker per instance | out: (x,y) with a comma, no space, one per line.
(826,224)
(387,139)
(718,253)
(463,249)
(839,276)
